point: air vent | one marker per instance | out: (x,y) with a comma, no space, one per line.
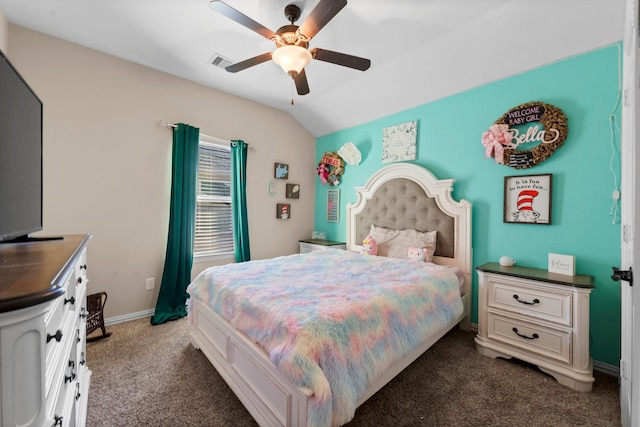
(220,61)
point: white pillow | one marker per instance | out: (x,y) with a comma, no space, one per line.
(394,243)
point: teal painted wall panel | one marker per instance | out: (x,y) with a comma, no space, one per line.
(586,88)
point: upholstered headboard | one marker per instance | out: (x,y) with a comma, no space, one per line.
(402,204)
(407,196)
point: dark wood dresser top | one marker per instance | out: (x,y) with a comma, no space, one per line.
(34,272)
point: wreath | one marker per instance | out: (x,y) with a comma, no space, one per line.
(330,168)
(499,139)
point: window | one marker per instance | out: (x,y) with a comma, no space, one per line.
(214,227)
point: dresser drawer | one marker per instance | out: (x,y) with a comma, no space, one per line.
(533,301)
(548,342)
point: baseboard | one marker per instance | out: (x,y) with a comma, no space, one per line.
(128,317)
(606,368)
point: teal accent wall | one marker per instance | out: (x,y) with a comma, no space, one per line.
(585,172)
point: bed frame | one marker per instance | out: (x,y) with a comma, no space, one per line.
(398,196)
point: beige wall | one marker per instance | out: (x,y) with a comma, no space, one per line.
(4,33)
(107,162)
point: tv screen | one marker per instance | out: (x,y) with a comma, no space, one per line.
(20,155)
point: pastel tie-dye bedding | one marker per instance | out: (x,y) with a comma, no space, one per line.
(332,321)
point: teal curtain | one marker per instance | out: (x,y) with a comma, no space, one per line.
(179,255)
(239,200)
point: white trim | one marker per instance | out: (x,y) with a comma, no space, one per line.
(606,368)
(129,317)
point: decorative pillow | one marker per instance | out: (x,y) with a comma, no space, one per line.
(417,254)
(394,243)
(369,246)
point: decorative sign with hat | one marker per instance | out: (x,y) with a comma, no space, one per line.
(527,199)
(526,135)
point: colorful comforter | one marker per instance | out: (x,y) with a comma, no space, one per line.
(332,321)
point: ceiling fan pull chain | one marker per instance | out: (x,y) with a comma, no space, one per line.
(293,83)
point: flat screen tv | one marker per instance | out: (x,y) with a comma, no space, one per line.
(20,156)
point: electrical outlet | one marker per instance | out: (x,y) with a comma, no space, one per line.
(151,283)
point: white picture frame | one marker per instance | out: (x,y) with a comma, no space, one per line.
(399,142)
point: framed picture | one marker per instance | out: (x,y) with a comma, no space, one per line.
(293,191)
(281,171)
(283,211)
(333,205)
(527,199)
(399,142)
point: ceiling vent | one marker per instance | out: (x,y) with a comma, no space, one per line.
(220,61)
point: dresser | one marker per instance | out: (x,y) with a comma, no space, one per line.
(538,317)
(311,245)
(43,369)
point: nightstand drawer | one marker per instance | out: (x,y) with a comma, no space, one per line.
(548,342)
(539,302)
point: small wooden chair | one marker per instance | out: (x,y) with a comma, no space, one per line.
(95,319)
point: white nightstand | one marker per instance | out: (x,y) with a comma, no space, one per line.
(539,317)
(311,245)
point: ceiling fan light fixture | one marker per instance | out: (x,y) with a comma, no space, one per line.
(291,58)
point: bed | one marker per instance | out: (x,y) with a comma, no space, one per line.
(400,196)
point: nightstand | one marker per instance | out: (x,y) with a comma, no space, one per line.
(311,245)
(538,317)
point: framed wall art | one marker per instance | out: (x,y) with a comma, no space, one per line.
(281,171)
(527,199)
(293,191)
(283,211)
(333,205)
(399,142)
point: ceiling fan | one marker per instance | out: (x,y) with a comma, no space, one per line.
(292,41)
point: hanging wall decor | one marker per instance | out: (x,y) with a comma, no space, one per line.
(517,140)
(527,199)
(283,211)
(281,171)
(399,142)
(333,205)
(293,191)
(330,168)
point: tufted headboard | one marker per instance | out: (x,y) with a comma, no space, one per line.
(407,196)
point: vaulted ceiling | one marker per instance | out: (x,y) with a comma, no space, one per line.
(420,50)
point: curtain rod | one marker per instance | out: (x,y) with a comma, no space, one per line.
(213,138)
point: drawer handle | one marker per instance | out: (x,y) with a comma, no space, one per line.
(83,266)
(57,421)
(77,391)
(521,301)
(72,300)
(57,336)
(79,280)
(69,378)
(532,337)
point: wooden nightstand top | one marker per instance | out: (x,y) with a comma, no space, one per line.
(321,242)
(578,281)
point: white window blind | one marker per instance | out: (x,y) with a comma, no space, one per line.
(214,227)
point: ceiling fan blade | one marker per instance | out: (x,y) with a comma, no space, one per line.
(343,59)
(302,86)
(320,16)
(242,65)
(241,18)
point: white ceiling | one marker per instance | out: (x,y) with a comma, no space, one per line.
(420,50)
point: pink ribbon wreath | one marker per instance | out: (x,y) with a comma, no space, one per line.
(495,139)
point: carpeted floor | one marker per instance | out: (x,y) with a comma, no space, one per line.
(147,375)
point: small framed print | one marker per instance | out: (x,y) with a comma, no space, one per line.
(283,211)
(527,199)
(293,191)
(333,205)
(281,171)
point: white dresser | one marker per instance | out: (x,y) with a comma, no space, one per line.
(311,245)
(539,317)
(43,369)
